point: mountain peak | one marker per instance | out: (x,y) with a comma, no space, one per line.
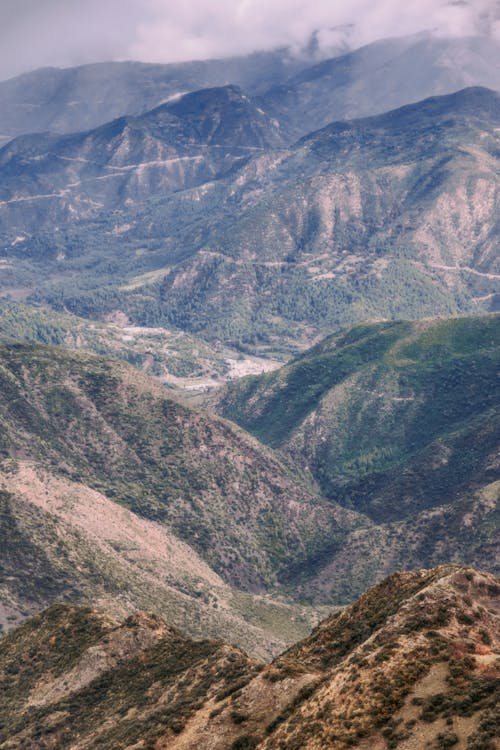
(223,116)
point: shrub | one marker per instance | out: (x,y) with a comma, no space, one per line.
(238,717)
(245,742)
(447,739)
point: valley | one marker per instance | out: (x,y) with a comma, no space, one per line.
(249,413)
(334,503)
(173,357)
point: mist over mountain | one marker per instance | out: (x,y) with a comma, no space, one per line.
(61,34)
(383,76)
(249,355)
(303,96)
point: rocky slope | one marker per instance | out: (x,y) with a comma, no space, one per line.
(63,541)
(414,663)
(393,216)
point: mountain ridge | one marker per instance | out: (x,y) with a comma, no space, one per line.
(414,660)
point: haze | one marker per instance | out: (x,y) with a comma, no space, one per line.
(71,32)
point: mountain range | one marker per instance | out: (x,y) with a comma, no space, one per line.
(171,531)
(308,93)
(391,216)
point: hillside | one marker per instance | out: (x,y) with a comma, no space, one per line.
(392,216)
(413,663)
(105,482)
(409,665)
(398,421)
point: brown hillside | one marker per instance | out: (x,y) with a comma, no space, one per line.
(413,664)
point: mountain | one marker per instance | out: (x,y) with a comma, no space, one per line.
(304,96)
(382,76)
(179,145)
(392,216)
(81,98)
(413,663)
(399,422)
(112,490)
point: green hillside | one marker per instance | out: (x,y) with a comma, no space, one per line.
(391,418)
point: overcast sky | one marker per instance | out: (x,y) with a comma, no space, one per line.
(34,33)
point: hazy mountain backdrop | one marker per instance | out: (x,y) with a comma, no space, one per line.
(249,356)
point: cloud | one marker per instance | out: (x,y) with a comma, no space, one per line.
(208,28)
(36,33)
(68,32)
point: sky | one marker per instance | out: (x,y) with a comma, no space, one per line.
(37,33)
